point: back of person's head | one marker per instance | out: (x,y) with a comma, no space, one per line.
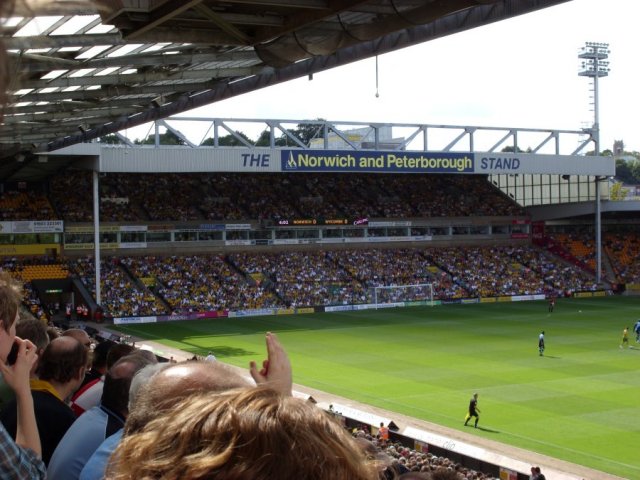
(415,476)
(62,360)
(10,299)
(79,334)
(116,352)
(177,381)
(247,434)
(52,333)
(442,473)
(115,394)
(34,330)
(148,354)
(142,378)
(99,360)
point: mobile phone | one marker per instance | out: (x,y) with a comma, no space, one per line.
(13,353)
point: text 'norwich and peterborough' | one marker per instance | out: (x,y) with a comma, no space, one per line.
(384,162)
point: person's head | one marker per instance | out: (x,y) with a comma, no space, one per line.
(177,381)
(116,352)
(63,362)
(117,382)
(78,334)
(52,333)
(415,476)
(536,470)
(10,298)
(442,473)
(475,395)
(99,360)
(246,434)
(141,379)
(34,330)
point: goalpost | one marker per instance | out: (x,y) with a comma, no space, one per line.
(418,294)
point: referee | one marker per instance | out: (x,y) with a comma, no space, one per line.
(473,410)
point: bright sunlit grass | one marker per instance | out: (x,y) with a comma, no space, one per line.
(579,402)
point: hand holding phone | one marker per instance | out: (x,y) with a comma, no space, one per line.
(13,353)
(16,374)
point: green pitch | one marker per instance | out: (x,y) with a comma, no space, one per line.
(579,402)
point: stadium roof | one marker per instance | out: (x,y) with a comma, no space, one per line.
(82,70)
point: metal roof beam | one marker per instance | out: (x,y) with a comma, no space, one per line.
(110,91)
(146,77)
(161,15)
(178,35)
(449,24)
(26,9)
(62,41)
(63,106)
(316,4)
(223,24)
(178,134)
(31,62)
(155,59)
(305,18)
(77,115)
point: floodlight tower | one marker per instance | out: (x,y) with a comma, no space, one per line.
(595,65)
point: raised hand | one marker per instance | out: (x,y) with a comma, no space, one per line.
(17,375)
(276,369)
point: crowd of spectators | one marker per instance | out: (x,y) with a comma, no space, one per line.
(120,295)
(31,301)
(488,271)
(620,252)
(72,196)
(167,196)
(25,205)
(579,245)
(201,283)
(623,250)
(561,278)
(311,278)
(399,461)
(235,196)
(303,278)
(161,285)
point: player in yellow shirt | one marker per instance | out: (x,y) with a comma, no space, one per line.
(625,337)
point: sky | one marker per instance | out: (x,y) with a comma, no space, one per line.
(521,72)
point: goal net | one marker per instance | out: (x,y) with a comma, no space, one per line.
(418,294)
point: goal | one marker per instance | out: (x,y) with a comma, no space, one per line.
(393,295)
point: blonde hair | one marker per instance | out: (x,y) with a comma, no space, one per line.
(10,299)
(176,382)
(247,434)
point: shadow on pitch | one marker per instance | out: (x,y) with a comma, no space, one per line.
(484,429)
(551,356)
